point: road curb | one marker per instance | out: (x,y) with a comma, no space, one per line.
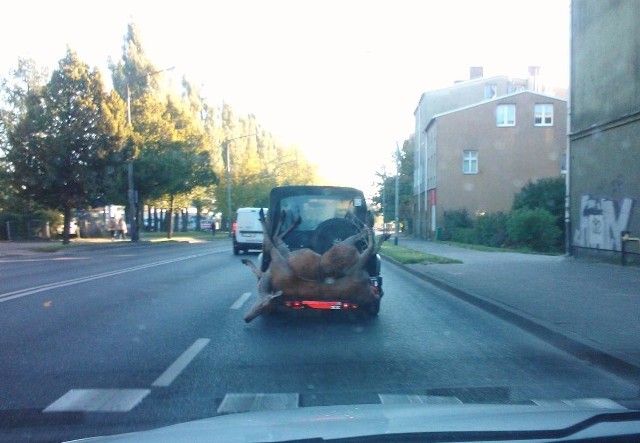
(576,348)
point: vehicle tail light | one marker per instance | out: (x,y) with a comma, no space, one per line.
(317,304)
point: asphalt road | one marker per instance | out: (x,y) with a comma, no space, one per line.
(119,339)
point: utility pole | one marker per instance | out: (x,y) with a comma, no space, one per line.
(395,241)
(225,146)
(384,199)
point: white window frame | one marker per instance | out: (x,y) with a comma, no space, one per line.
(470,162)
(543,114)
(503,114)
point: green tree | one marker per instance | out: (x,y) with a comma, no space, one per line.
(175,159)
(258,162)
(62,149)
(386,195)
(27,78)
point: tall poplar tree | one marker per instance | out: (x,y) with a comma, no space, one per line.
(62,149)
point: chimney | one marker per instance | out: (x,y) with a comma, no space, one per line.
(475,72)
(534,73)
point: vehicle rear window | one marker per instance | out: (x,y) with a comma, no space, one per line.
(313,210)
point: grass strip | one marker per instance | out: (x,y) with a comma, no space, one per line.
(410,256)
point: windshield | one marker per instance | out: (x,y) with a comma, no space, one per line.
(409,208)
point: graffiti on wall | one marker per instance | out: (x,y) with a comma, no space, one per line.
(601,223)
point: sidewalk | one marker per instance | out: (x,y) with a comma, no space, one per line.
(590,309)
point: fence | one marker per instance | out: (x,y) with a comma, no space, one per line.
(25,230)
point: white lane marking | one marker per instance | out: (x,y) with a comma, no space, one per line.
(394,399)
(178,366)
(233,403)
(29,291)
(22,260)
(241,300)
(98,400)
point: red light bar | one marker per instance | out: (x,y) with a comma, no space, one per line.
(315,304)
(319,304)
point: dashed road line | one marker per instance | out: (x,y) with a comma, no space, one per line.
(182,362)
(98,400)
(241,300)
(234,403)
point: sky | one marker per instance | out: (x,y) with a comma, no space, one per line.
(340,79)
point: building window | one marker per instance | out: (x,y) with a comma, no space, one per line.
(543,115)
(506,115)
(470,162)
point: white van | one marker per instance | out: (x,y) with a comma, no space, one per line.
(247,231)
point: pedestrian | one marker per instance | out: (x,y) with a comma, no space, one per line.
(213,228)
(122,229)
(112,228)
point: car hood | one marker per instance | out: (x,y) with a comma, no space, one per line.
(431,422)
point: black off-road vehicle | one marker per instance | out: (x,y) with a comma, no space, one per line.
(326,215)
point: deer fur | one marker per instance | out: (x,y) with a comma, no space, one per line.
(306,274)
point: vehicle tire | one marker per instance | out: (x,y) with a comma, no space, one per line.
(235,251)
(330,232)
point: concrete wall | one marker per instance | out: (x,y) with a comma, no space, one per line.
(604,151)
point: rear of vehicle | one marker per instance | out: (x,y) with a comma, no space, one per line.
(247,232)
(328,215)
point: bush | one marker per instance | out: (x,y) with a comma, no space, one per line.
(546,193)
(463,235)
(454,220)
(491,229)
(534,228)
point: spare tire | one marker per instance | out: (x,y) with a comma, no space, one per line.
(333,231)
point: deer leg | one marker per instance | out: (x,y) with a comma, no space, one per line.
(279,243)
(386,236)
(256,271)
(364,256)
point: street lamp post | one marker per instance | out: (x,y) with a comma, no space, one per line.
(229,218)
(384,199)
(132,193)
(225,145)
(395,241)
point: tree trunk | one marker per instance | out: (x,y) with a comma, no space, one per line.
(170,217)
(184,219)
(156,220)
(66,225)
(198,216)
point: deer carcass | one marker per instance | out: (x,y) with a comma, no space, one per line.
(338,274)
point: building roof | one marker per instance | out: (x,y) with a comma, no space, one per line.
(484,102)
(462,84)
